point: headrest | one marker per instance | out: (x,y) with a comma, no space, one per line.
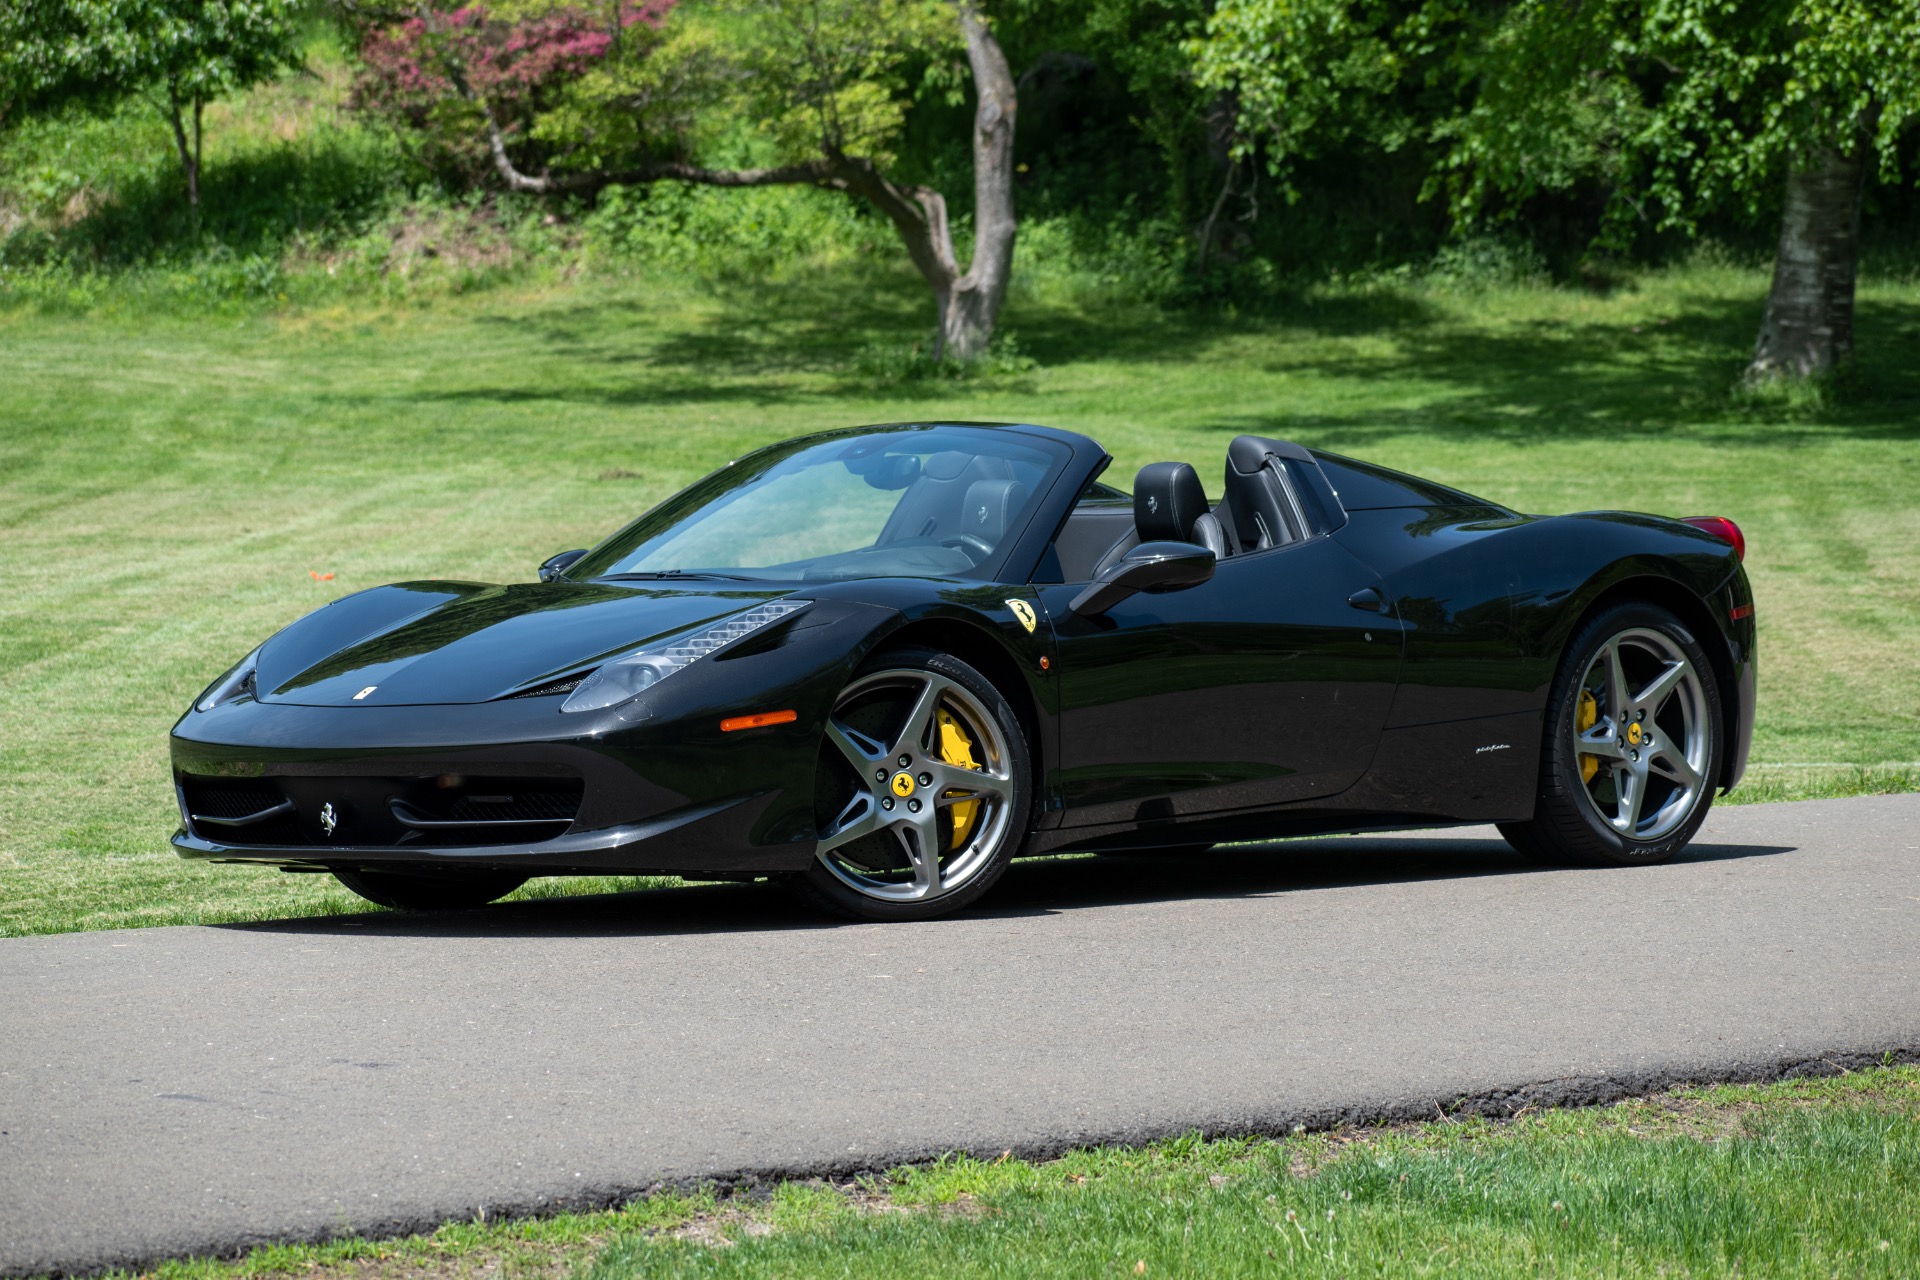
(991,506)
(1167,499)
(946,465)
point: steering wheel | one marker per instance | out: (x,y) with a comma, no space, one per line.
(972,543)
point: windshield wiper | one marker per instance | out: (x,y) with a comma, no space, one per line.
(670,575)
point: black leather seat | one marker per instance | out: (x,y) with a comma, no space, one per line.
(1258,500)
(1169,505)
(990,507)
(934,504)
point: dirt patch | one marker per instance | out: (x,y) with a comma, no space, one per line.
(1680,1112)
(472,239)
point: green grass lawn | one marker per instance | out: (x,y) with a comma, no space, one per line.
(171,483)
(1803,1178)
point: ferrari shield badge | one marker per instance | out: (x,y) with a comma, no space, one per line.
(1024,611)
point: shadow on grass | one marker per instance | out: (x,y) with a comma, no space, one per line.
(1041,887)
(1546,381)
(333,182)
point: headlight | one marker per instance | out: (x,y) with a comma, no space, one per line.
(621,679)
(229,686)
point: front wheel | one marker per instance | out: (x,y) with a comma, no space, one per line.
(1633,744)
(923,792)
(447,891)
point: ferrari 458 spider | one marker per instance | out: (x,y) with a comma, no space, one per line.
(879,664)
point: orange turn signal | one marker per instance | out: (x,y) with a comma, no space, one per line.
(757,722)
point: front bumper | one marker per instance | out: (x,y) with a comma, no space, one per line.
(356,788)
(702,840)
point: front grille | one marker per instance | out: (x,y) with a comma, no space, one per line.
(231,797)
(445,810)
(517,806)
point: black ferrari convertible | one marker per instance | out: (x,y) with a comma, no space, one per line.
(879,664)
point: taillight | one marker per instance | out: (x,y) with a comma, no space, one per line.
(1723,529)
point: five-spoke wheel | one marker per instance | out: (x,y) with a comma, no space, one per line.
(923,790)
(1632,743)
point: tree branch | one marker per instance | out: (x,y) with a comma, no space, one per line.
(1206,230)
(918,213)
(818,172)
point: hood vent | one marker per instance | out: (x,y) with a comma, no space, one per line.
(553,688)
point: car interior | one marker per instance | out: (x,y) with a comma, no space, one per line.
(1273,497)
(954,509)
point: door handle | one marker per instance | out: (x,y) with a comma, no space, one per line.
(1369,599)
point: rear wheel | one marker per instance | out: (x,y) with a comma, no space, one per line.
(1633,743)
(448,891)
(923,794)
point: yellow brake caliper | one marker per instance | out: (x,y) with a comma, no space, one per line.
(1585,719)
(956,748)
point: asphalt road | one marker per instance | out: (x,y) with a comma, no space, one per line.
(192,1090)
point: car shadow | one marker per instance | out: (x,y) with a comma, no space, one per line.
(1290,866)
(1036,887)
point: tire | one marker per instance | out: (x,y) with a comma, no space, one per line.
(876,816)
(1626,789)
(447,891)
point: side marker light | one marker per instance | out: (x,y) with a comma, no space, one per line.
(1046,663)
(1740,611)
(759,721)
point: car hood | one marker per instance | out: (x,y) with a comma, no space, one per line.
(419,643)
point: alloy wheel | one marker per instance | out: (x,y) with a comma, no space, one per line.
(1642,734)
(934,792)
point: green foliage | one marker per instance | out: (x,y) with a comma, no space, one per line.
(730,82)
(833,75)
(180,54)
(1678,109)
(1692,106)
(661,92)
(93,207)
(761,233)
(1310,74)
(53,52)
(445,72)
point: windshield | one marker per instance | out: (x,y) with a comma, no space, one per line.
(920,502)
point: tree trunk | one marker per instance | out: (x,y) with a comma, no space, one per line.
(189,150)
(1808,326)
(970,306)
(967,305)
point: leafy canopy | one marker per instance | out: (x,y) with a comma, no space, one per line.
(728,81)
(57,52)
(1680,106)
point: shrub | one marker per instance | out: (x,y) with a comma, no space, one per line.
(431,73)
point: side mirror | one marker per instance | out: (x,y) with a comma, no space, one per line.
(1151,566)
(557,565)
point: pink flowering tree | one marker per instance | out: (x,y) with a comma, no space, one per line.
(447,73)
(816,92)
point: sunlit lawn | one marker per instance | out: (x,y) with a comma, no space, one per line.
(170,485)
